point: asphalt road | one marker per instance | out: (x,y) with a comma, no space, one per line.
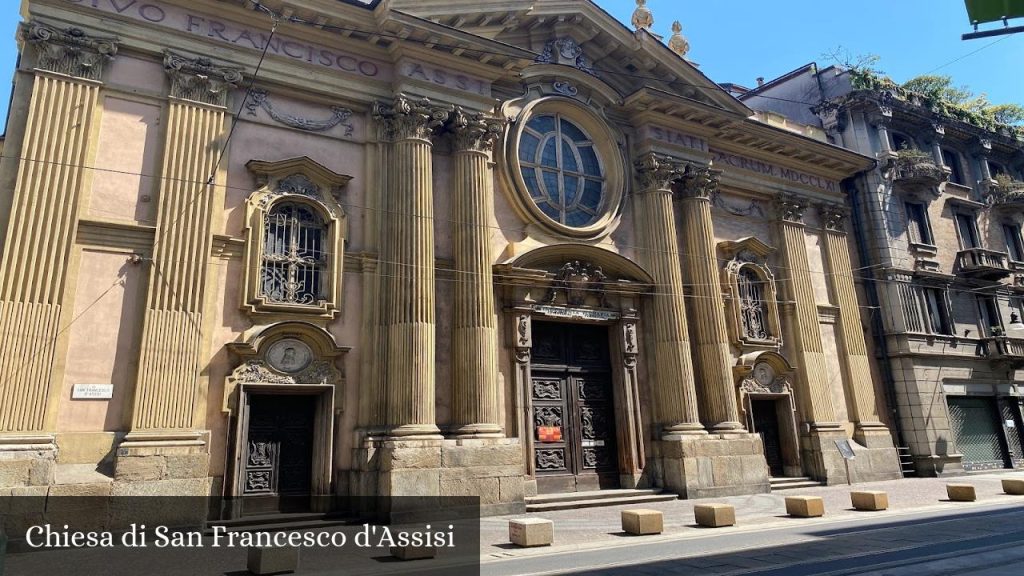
(982,540)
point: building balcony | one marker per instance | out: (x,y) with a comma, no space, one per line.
(983,264)
(1004,192)
(1003,348)
(915,170)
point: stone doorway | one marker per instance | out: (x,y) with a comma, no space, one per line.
(573,425)
(766,425)
(277,467)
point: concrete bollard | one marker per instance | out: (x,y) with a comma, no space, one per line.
(270,560)
(961,492)
(641,521)
(530,532)
(873,500)
(714,515)
(805,506)
(413,552)
(1013,486)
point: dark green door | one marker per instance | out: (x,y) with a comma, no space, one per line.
(977,428)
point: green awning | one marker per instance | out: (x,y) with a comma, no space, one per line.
(981,11)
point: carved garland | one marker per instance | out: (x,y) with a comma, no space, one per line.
(339,116)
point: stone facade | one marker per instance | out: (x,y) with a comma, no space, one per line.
(428,258)
(939,232)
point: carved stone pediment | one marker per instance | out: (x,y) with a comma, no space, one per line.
(746,250)
(565,51)
(258,372)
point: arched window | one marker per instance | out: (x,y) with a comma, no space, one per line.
(753,305)
(293,260)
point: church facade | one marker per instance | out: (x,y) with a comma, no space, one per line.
(414,249)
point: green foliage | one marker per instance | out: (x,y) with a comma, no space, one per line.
(939,87)
(1007,113)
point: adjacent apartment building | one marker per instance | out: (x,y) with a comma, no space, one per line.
(938,225)
(414,248)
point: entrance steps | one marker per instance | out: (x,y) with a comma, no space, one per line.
(280,522)
(576,500)
(779,483)
(906,461)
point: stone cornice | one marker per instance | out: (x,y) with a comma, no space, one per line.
(405,118)
(657,172)
(474,132)
(69,51)
(200,80)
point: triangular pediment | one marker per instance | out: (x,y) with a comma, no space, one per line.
(626,60)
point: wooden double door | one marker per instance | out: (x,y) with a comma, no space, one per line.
(277,472)
(574,440)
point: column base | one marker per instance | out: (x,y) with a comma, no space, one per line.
(27,460)
(415,432)
(713,466)
(875,459)
(410,474)
(727,428)
(677,431)
(165,463)
(477,431)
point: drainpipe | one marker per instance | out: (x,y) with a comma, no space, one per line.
(871,291)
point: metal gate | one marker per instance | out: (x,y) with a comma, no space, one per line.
(977,428)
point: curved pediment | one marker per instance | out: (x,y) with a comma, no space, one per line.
(555,258)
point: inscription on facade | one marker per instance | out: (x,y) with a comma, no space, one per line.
(575,313)
(92,391)
(444,77)
(722,159)
(673,137)
(238,35)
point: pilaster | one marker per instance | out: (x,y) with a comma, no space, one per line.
(672,378)
(42,227)
(168,392)
(815,397)
(474,338)
(711,337)
(407,266)
(854,357)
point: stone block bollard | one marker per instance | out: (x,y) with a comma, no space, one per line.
(961,492)
(714,515)
(1013,486)
(264,561)
(642,521)
(413,552)
(873,500)
(530,532)
(805,506)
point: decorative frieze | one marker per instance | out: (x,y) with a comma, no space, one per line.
(474,132)
(405,118)
(69,51)
(259,99)
(199,79)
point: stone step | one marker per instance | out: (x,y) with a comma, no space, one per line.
(793,483)
(597,502)
(591,495)
(279,522)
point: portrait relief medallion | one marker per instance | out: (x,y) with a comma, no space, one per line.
(289,355)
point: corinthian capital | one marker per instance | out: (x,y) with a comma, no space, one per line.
(699,182)
(833,216)
(69,51)
(200,80)
(406,118)
(656,172)
(791,208)
(474,132)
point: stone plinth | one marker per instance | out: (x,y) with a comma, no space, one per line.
(413,552)
(714,465)
(268,560)
(1013,486)
(714,515)
(530,532)
(876,458)
(872,500)
(805,506)
(961,492)
(27,460)
(642,521)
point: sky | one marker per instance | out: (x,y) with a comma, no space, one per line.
(739,40)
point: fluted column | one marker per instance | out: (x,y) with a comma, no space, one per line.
(854,349)
(407,267)
(673,386)
(474,336)
(44,216)
(815,396)
(167,391)
(711,338)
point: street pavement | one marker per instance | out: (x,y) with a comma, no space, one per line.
(922,534)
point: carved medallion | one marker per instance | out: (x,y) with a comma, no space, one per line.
(290,356)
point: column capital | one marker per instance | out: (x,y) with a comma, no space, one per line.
(199,79)
(474,131)
(699,182)
(791,208)
(658,172)
(70,50)
(406,118)
(833,216)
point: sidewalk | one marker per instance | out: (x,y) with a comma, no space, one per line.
(600,528)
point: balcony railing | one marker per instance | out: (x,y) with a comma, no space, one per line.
(1003,348)
(1005,192)
(913,169)
(982,263)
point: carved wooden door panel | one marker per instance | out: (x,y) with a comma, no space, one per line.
(278,462)
(766,423)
